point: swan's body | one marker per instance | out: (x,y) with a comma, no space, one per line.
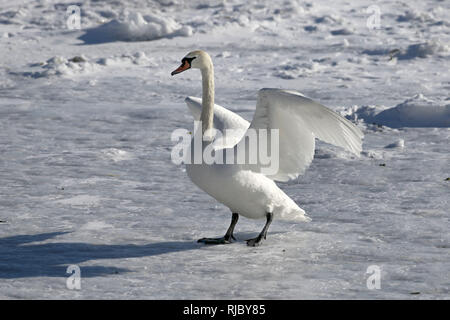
(247,189)
(249,193)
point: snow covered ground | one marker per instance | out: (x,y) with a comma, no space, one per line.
(86,178)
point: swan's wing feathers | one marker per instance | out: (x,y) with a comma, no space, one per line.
(324,123)
(300,120)
(195,106)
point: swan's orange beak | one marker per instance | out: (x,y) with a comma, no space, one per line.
(184,66)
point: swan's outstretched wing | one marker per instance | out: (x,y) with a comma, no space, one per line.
(223,120)
(300,120)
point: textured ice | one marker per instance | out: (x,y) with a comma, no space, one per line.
(85,170)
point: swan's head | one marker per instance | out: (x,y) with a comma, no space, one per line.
(197,59)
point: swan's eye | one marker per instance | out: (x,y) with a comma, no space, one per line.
(188,60)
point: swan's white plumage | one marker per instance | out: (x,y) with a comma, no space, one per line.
(245,189)
(224,120)
(246,192)
(300,120)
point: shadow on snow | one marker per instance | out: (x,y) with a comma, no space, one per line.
(19,258)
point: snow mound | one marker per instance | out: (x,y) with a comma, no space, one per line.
(397,144)
(81,65)
(117,155)
(417,50)
(416,16)
(293,70)
(342,32)
(329,19)
(434,17)
(417,111)
(60,66)
(138,58)
(423,50)
(135,27)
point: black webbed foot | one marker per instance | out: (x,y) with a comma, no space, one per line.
(222,240)
(227,238)
(255,242)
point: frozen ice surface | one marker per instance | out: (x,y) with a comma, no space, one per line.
(85,170)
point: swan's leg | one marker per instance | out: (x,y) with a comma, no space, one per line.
(258,240)
(234,220)
(227,237)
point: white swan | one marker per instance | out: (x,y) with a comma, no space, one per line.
(244,188)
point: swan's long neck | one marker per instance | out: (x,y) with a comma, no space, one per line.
(207,115)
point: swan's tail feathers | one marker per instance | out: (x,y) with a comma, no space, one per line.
(294,215)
